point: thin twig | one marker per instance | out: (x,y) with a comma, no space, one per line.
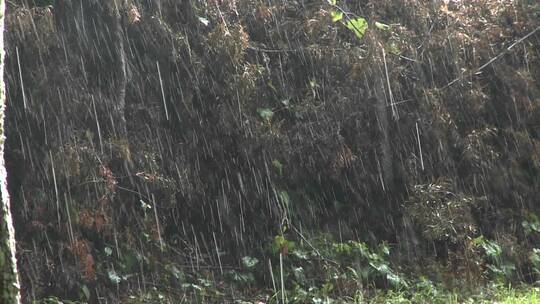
(312,247)
(492,60)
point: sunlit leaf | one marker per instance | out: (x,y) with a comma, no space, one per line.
(336,16)
(358,26)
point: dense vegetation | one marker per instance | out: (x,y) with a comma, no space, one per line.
(274,151)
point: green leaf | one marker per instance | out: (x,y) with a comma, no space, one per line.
(265,113)
(384,249)
(333,2)
(130,260)
(534,257)
(382,26)
(281,243)
(204,21)
(336,16)
(358,26)
(113,276)
(396,280)
(301,254)
(241,277)
(108,251)
(278,165)
(249,262)
(393,48)
(299,274)
(284,197)
(177,273)
(144,205)
(86,292)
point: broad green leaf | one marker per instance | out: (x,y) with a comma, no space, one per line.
(278,165)
(192,286)
(204,21)
(86,292)
(284,197)
(393,48)
(113,276)
(249,262)
(299,274)
(282,244)
(396,280)
(336,16)
(130,260)
(534,257)
(384,249)
(265,113)
(358,26)
(144,205)
(108,251)
(177,273)
(333,2)
(301,254)
(241,277)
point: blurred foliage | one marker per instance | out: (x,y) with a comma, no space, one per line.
(273,124)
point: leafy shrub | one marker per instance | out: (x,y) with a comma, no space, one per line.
(442,214)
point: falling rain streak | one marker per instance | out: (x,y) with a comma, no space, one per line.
(212,151)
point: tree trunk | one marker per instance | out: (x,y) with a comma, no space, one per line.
(9,280)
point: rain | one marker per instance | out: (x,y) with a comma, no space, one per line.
(273,151)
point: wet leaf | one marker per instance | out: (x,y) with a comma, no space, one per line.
(382,26)
(278,165)
(265,113)
(204,21)
(86,292)
(336,16)
(358,26)
(113,276)
(249,262)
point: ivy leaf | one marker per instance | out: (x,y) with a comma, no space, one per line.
(358,26)
(336,16)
